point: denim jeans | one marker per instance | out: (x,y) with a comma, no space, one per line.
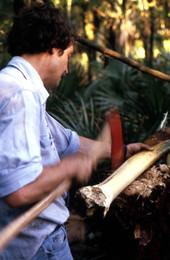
(55,247)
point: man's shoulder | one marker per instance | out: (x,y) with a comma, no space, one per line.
(13,86)
(9,84)
(9,77)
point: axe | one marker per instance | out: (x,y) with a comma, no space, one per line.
(114,123)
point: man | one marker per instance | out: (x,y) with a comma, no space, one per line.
(36,152)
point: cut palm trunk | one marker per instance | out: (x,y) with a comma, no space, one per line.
(105,192)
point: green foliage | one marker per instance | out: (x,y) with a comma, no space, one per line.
(75,114)
(6,15)
(141,99)
(72,81)
(146,103)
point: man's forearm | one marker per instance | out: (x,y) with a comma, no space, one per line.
(77,166)
(88,146)
(49,178)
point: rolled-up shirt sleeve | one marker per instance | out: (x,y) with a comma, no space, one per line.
(73,143)
(20,156)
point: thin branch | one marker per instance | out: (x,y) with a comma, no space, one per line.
(124,59)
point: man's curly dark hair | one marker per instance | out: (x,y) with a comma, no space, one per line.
(39,28)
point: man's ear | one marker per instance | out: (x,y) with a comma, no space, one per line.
(59,52)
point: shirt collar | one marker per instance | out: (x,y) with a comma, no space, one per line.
(31,75)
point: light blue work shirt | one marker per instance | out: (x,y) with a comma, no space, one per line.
(29,139)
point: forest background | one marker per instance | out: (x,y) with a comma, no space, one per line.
(138,29)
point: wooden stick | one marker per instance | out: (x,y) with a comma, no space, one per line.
(124,59)
(12,229)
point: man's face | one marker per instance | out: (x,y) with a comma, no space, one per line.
(57,67)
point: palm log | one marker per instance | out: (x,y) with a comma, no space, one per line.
(102,194)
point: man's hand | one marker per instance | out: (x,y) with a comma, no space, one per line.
(136,147)
(79,166)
